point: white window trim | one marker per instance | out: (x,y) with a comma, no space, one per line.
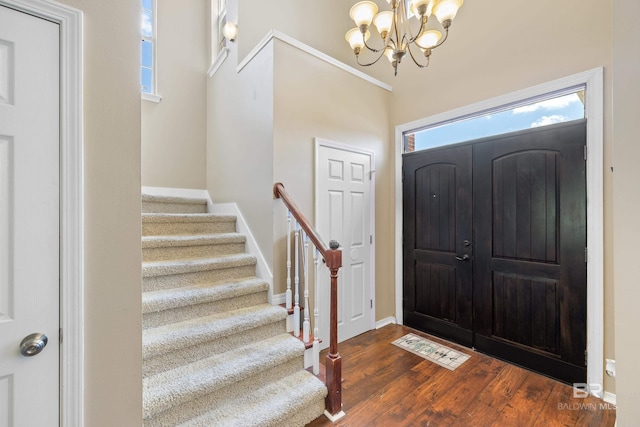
(218,61)
(153,96)
(219,50)
(71,203)
(594,112)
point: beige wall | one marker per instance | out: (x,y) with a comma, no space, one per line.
(174,130)
(316,99)
(318,24)
(113,335)
(240,141)
(511,45)
(626,203)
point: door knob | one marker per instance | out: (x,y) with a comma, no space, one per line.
(464,257)
(33,344)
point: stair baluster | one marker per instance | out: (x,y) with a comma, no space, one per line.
(332,256)
(296,284)
(289,296)
(306,325)
(316,315)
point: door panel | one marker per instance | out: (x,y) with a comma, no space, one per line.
(29,217)
(530,237)
(525,281)
(343,201)
(437,221)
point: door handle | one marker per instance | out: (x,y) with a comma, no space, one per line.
(464,257)
(33,344)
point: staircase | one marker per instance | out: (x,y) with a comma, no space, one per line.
(215,351)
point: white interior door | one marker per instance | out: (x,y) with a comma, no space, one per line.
(29,218)
(343,213)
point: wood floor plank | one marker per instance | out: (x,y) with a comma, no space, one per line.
(501,390)
(525,406)
(462,393)
(477,414)
(384,385)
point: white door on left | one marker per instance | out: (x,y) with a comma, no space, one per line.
(29,219)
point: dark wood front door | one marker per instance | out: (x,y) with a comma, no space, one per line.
(526,271)
(437,242)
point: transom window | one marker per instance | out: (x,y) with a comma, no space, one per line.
(543,111)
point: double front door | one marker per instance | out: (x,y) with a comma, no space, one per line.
(494,246)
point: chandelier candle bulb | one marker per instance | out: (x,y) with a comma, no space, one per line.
(355,39)
(400,35)
(362,13)
(422,7)
(429,39)
(446,11)
(383,22)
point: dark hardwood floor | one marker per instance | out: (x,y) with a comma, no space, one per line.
(384,385)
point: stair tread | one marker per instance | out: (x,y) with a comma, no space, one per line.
(172,337)
(155,301)
(187,382)
(173,199)
(185,217)
(307,344)
(274,404)
(291,310)
(181,240)
(163,268)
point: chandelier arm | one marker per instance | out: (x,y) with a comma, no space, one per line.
(374,49)
(371,63)
(414,59)
(423,24)
(446,34)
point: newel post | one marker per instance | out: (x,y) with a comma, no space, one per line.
(333,401)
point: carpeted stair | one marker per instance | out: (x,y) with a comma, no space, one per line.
(216,353)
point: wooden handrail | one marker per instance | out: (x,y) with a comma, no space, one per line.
(333,259)
(280,193)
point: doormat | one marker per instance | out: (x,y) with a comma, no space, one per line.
(438,353)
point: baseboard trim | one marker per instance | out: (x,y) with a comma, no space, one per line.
(262,268)
(609,397)
(391,320)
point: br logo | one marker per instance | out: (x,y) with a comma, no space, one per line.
(583,390)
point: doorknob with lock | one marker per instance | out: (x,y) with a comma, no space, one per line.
(464,257)
(33,344)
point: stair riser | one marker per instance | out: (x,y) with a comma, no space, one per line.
(186,252)
(185,411)
(201,350)
(283,406)
(177,228)
(160,207)
(154,320)
(158,283)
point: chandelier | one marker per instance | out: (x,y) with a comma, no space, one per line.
(395,29)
